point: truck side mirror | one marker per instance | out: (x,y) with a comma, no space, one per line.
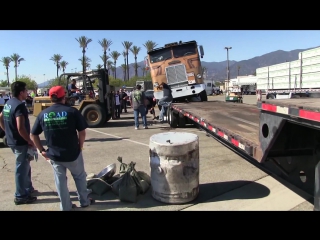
(201,51)
(146,62)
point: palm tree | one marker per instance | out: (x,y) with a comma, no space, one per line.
(124,68)
(105,44)
(115,55)
(113,69)
(150,45)
(56,58)
(136,66)
(63,65)
(99,66)
(104,59)
(135,51)
(127,45)
(16,59)
(109,65)
(6,63)
(124,54)
(86,63)
(143,71)
(84,41)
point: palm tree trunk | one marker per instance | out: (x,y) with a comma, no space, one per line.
(105,60)
(83,62)
(57,69)
(16,71)
(8,76)
(125,70)
(127,66)
(136,66)
(115,70)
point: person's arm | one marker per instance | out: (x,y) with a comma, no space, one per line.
(35,132)
(2,122)
(20,119)
(81,126)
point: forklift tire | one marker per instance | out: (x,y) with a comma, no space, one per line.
(182,121)
(108,117)
(4,139)
(94,114)
(172,118)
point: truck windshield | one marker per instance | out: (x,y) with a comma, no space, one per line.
(160,55)
(184,50)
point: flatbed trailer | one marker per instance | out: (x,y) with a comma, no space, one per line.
(280,136)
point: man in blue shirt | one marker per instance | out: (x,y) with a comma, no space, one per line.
(72,90)
(65,131)
(14,120)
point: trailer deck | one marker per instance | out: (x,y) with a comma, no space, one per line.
(236,123)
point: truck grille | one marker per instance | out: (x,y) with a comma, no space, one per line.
(176,74)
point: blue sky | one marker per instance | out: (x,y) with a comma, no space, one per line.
(37,47)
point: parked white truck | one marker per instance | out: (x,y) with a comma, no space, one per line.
(300,78)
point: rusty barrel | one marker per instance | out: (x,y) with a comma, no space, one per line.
(174,163)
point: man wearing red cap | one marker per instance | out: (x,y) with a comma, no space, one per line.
(64,130)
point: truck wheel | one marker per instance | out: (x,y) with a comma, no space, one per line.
(4,139)
(172,118)
(203,96)
(94,114)
(181,121)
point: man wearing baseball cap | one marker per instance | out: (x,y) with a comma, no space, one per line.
(62,125)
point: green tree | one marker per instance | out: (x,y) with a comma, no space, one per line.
(127,45)
(150,45)
(115,55)
(56,58)
(99,66)
(3,83)
(124,54)
(6,63)
(86,63)
(31,84)
(83,42)
(56,82)
(16,59)
(135,51)
(63,65)
(105,44)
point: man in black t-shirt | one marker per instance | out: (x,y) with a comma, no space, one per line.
(62,125)
(72,90)
(123,100)
(14,120)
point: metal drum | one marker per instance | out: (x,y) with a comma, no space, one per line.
(174,162)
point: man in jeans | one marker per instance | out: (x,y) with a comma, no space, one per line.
(165,101)
(14,120)
(64,131)
(139,106)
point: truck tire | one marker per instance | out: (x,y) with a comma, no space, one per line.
(94,114)
(4,139)
(172,118)
(203,96)
(181,121)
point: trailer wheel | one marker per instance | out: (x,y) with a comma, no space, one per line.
(94,114)
(181,121)
(4,139)
(172,118)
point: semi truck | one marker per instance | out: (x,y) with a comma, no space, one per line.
(178,65)
(281,137)
(299,78)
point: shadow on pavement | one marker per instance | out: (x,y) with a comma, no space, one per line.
(104,139)
(207,192)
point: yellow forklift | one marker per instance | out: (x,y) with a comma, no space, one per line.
(97,110)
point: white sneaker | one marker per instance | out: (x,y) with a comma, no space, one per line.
(146,127)
(136,128)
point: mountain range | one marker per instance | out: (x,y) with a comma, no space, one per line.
(218,70)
